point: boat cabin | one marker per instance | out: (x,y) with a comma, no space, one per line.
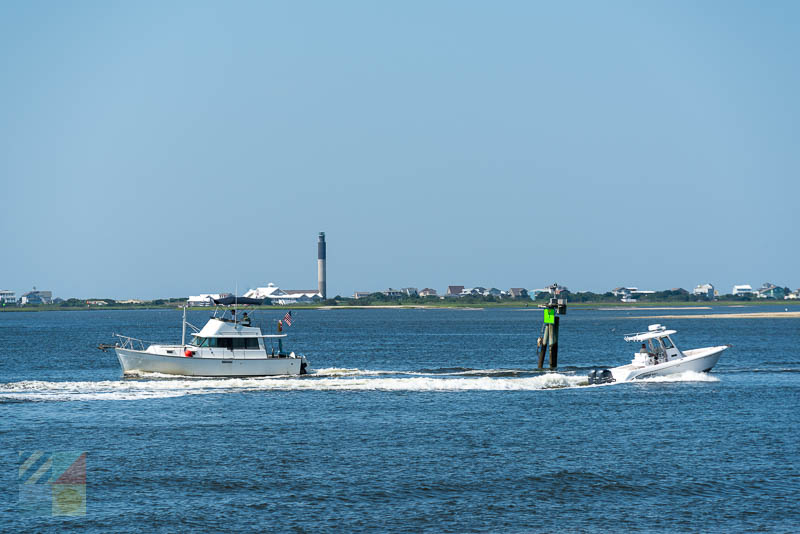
(223,338)
(657,346)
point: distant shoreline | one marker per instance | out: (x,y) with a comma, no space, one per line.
(755,315)
(444,304)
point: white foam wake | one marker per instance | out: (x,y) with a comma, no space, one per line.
(150,389)
(686,376)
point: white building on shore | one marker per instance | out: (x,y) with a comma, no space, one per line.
(204,299)
(278,296)
(704,290)
(630,294)
(743,289)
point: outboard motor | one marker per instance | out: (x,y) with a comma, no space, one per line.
(600,377)
(606,377)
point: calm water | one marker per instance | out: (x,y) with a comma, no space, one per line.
(414,420)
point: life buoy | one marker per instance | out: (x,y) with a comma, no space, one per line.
(188,353)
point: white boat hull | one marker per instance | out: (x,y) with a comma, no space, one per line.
(140,361)
(696,360)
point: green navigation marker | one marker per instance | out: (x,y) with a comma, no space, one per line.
(549,316)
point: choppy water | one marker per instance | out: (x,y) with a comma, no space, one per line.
(412,420)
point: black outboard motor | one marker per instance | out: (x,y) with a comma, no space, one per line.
(600,377)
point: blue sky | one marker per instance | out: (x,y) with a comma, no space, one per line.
(164,149)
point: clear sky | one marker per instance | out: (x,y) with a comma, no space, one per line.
(170,148)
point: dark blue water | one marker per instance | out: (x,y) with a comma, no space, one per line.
(416,420)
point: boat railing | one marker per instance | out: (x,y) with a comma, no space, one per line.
(193,327)
(131,343)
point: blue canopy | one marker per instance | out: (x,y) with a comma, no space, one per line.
(228,301)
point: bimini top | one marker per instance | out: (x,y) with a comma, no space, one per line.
(227,301)
(653,331)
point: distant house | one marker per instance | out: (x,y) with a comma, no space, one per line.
(36,297)
(410,291)
(303,295)
(454,291)
(770,291)
(428,292)
(361,294)
(204,299)
(470,292)
(492,292)
(131,301)
(794,295)
(96,303)
(625,294)
(629,294)
(393,293)
(704,290)
(743,290)
(7,297)
(518,293)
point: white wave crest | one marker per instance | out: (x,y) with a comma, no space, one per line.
(344,371)
(686,376)
(150,389)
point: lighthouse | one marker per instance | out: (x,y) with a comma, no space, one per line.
(323,291)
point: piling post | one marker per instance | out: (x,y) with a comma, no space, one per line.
(543,345)
(556,306)
(554,343)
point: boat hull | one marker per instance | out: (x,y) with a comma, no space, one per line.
(133,361)
(697,360)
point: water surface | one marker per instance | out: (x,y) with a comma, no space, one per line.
(412,420)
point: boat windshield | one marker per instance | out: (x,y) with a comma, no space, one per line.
(667,342)
(655,346)
(199,341)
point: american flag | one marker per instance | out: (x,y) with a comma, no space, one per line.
(287,319)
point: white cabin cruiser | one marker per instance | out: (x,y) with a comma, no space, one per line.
(224,347)
(658,356)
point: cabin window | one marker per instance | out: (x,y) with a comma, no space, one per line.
(222,343)
(248,343)
(667,343)
(199,341)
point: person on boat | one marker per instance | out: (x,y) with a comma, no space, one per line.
(652,357)
(245,320)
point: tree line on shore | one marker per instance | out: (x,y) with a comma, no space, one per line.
(379,299)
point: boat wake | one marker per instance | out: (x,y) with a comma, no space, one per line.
(686,376)
(148,386)
(142,386)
